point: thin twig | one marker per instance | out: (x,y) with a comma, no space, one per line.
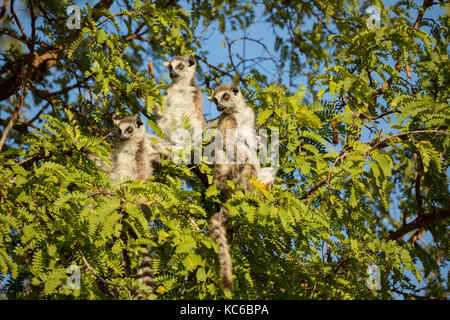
(13,13)
(419,222)
(3,11)
(375,145)
(13,118)
(426,4)
(419,199)
(88,266)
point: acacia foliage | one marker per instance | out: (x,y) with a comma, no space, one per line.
(350,192)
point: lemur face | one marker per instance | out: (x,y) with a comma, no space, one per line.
(227,97)
(181,67)
(130,127)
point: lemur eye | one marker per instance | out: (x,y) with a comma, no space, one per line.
(130,130)
(226,96)
(180,66)
(120,131)
(215,101)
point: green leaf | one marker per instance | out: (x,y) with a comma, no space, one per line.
(201,275)
(155,128)
(101,36)
(332,88)
(384,162)
(263,116)
(211,191)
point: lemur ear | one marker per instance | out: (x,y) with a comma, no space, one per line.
(166,64)
(191,60)
(138,120)
(210,98)
(116,122)
(234,88)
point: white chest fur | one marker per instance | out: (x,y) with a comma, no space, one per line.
(244,117)
(124,160)
(179,102)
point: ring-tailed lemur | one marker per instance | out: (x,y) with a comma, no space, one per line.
(135,157)
(183,99)
(237,136)
(217,226)
(237,129)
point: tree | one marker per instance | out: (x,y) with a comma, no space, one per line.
(363,151)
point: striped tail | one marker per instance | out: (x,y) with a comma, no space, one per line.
(145,272)
(219,234)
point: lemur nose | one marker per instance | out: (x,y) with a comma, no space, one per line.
(220,107)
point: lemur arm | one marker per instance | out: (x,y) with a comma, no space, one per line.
(156,106)
(100,164)
(162,150)
(157,109)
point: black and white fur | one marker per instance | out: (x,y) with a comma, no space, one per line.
(135,157)
(182,98)
(238,117)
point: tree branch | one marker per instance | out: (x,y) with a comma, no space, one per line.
(3,11)
(202,176)
(313,189)
(417,182)
(426,4)
(375,144)
(13,13)
(419,222)
(26,163)
(39,63)
(13,119)
(99,277)
(415,296)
